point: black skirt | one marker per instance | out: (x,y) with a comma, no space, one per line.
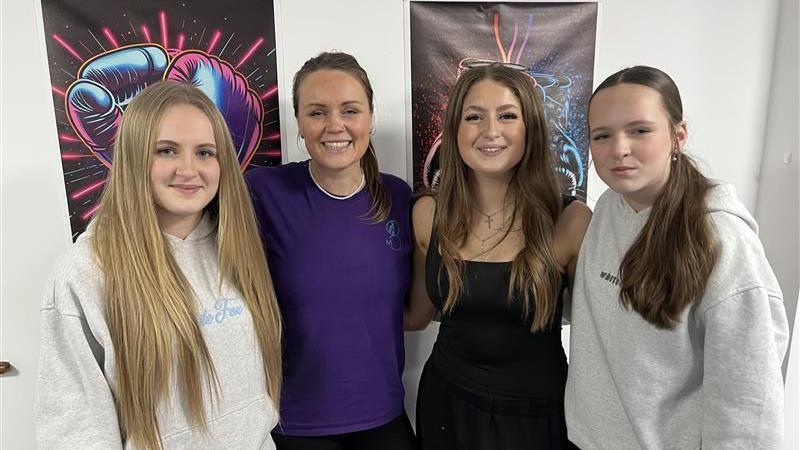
(452,418)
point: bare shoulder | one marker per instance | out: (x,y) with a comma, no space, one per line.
(422,219)
(573,222)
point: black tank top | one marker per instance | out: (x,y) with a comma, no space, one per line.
(484,344)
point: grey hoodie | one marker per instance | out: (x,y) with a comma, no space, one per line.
(75,406)
(712,382)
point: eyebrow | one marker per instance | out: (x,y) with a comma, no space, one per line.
(168,142)
(627,125)
(347,103)
(499,108)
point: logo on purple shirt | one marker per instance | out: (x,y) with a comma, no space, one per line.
(393,230)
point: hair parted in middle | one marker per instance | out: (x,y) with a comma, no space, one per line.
(151,307)
(535,274)
(667,266)
(381,202)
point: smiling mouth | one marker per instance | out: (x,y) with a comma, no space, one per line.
(185,189)
(622,170)
(336,146)
(491,151)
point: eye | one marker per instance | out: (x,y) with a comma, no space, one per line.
(641,130)
(165,151)
(599,137)
(206,153)
(471,117)
(351,111)
(507,116)
(316,113)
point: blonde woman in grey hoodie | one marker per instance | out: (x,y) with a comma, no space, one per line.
(678,324)
(160,327)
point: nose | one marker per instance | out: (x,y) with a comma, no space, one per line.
(620,147)
(492,128)
(186,165)
(335,124)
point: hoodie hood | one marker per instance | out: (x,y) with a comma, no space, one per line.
(722,199)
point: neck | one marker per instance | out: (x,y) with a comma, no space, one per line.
(340,182)
(490,194)
(178,226)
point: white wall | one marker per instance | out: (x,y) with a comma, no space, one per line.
(720,55)
(719,52)
(778,188)
(33,211)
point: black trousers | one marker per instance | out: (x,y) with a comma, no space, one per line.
(451,418)
(395,435)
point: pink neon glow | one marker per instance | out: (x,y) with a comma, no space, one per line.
(67,47)
(214,40)
(68,138)
(58,91)
(272,152)
(497,37)
(87,189)
(513,43)
(70,156)
(110,37)
(250,52)
(271,137)
(146,33)
(90,212)
(525,41)
(162,20)
(270,92)
(181,38)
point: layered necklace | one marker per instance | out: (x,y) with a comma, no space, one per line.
(334,196)
(485,242)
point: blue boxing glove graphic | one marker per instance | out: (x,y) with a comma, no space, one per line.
(105,86)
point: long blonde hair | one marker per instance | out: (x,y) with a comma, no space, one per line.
(535,189)
(151,308)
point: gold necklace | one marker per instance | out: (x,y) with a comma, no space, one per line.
(484,253)
(489,217)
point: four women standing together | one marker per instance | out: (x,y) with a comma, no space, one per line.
(678,326)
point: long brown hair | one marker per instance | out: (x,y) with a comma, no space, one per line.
(667,266)
(381,202)
(151,308)
(534,187)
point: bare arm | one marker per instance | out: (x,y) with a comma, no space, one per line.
(419,310)
(570,229)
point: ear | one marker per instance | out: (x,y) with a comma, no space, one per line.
(681,134)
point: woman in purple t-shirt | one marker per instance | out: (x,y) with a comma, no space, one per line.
(338,240)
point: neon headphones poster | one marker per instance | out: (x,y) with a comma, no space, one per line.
(553,43)
(101,53)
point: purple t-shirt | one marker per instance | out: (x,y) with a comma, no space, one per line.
(341,282)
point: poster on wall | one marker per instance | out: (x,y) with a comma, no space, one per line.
(101,53)
(554,43)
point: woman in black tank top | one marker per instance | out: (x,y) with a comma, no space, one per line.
(495,246)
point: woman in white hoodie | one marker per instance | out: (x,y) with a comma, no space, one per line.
(160,327)
(678,323)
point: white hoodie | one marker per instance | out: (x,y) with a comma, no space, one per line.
(75,407)
(712,382)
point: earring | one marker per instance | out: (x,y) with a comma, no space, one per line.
(674,156)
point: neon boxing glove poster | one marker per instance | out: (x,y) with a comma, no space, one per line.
(101,53)
(555,42)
